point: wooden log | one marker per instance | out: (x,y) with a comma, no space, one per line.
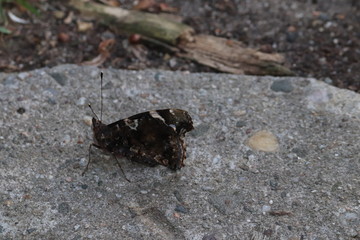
(131,21)
(219,53)
(232,57)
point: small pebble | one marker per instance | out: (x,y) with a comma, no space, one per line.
(263,141)
(328,80)
(180,208)
(83,161)
(216,159)
(30,230)
(23,75)
(51,101)
(8,203)
(282,86)
(240,124)
(239,113)
(209,237)
(266,208)
(66,140)
(158,76)
(87,120)
(172,62)
(81,101)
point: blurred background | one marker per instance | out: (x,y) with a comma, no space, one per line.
(318,38)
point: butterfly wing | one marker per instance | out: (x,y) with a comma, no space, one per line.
(152,138)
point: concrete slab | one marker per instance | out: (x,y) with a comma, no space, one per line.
(270,158)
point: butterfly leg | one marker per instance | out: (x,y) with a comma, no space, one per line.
(121,168)
(87,165)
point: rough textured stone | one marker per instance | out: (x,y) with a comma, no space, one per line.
(308,187)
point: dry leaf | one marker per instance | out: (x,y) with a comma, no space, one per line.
(112,3)
(104,49)
(16,19)
(63,37)
(84,26)
(166,8)
(69,18)
(153,6)
(145,5)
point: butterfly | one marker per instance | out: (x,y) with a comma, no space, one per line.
(152,138)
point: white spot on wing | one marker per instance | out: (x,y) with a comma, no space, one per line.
(173,126)
(133,124)
(155,114)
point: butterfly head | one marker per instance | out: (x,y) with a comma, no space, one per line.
(182,121)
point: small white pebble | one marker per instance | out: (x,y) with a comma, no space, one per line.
(232,165)
(81,101)
(83,161)
(87,120)
(239,113)
(66,140)
(23,75)
(216,159)
(266,208)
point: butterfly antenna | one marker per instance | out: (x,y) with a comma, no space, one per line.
(93,112)
(101,96)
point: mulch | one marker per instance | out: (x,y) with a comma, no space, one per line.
(319,39)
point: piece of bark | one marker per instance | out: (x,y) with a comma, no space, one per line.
(221,54)
(232,57)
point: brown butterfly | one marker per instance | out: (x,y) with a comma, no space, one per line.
(151,138)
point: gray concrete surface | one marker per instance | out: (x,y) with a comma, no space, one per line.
(305,186)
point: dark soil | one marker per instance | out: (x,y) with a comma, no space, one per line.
(320,38)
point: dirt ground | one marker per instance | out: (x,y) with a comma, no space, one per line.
(320,38)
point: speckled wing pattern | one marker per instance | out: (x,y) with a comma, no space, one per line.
(151,138)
